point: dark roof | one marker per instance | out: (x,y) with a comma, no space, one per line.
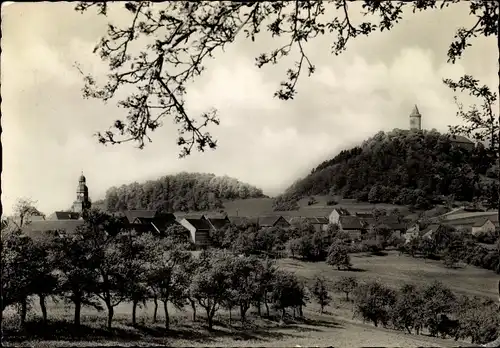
(241,220)
(392,222)
(430,228)
(64,215)
(350,223)
(365,215)
(218,223)
(199,224)
(316,220)
(480,222)
(133,214)
(41,230)
(269,221)
(460,139)
(342,211)
(161,221)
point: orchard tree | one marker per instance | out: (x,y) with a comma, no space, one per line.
(210,284)
(168,276)
(320,292)
(338,256)
(174,40)
(346,285)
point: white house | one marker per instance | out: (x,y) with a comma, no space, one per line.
(484,225)
(336,213)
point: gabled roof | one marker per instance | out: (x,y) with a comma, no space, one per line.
(133,214)
(430,229)
(350,223)
(199,224)
(269,221)
(392,222)
(315,220)
(42,229)
(242,220)
(460,139)
(64,215)
(218,223)
(365,215)
(480,222)
(342,211)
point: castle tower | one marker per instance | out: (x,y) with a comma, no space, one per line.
(82,201)
(415,119)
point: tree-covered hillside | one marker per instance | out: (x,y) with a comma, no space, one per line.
(400,167)
(180,192)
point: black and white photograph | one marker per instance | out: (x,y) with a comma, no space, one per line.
(250,173)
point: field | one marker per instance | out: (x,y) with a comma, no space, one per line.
(337,327)
(264,206)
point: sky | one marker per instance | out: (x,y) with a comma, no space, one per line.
(48,127)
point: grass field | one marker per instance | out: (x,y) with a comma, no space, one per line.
(337,327)
(394,270)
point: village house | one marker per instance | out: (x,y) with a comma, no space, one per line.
(319,223)
(483,225)
(199,229)
(351,225)
(336,213)
(272,221)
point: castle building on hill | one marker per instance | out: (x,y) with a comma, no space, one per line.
(415,119)
(456,140)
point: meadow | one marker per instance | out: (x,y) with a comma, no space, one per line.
(336,326)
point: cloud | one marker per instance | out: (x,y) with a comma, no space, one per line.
(48,127)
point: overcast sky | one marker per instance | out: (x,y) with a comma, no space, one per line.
(48,127)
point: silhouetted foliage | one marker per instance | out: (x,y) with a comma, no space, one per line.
(186,34)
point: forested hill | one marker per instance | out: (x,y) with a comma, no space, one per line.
(400,167)
(180,192)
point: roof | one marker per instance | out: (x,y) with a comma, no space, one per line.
(312,220)
(180,216)
(268,221)
(480,222)
(460,139)
(199,224)
(161,221)
(342,211)
(350,223)
(392,222)
(64,215)
(218,223)
(430,228)
(133,214)
(41,229)
(415,111)
(365,215)
(241,220)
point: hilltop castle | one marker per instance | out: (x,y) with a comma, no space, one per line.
(457,140)
(415,119)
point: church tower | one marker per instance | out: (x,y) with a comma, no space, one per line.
(415,119)
(82,196)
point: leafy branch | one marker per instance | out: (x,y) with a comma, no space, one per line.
(166,45)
